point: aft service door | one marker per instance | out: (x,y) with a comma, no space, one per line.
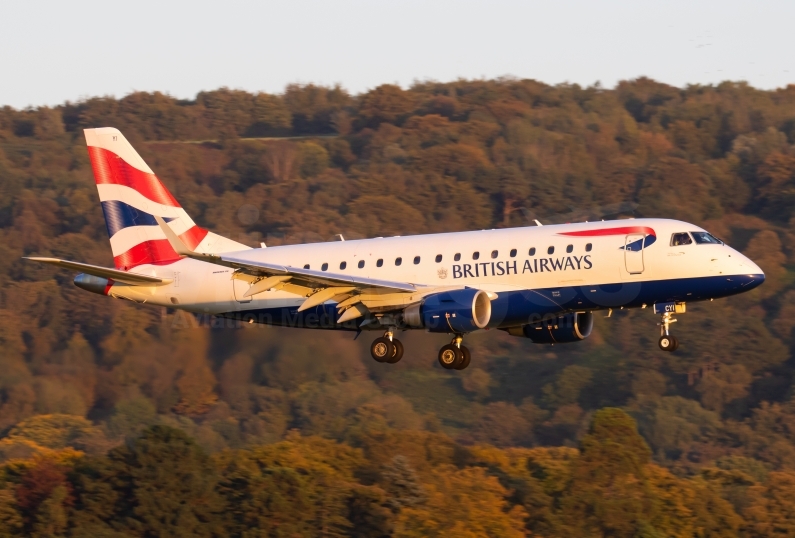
(633,253)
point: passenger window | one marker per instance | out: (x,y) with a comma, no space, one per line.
(532,251)
(398,261)
(324,267)
(513,253)
(379,263)
(569,249)
(680,239)
(343,265)
(551,250)
(457,256)
(588,247)
(438,258)
(416,260)
(306,266)
(361,264)
(475,255)
(703,238)
(494,254)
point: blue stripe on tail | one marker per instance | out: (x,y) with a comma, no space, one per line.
(119,215)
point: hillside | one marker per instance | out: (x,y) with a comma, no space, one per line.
(304,426)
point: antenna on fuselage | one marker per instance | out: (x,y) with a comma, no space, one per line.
(537,223)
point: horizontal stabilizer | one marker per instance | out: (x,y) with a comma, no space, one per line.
(134,279)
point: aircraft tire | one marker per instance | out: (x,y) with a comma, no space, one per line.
(382,349)
(450,356)
(667,343)
(465,360)
(398,351)
(676,343)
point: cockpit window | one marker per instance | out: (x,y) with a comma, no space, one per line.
(681,239)
(703,238)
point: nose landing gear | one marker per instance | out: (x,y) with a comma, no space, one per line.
(667,342)
(387,348)
(455,356)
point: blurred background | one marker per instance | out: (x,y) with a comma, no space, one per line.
(126,420)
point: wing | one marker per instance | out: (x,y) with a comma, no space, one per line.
(356,296)
(134,279)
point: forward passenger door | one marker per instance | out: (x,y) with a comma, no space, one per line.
(633,253)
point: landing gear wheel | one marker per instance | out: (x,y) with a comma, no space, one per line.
(467,357)
(668,343)
(397,345)
(382,349)
(450,356)
(676,343)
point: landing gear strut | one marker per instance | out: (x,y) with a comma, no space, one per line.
(668,342)
(455,356)
(387,348)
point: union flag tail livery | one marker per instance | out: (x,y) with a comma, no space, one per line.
(131,196)
(543,283)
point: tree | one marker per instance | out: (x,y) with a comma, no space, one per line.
(161,483)
(462,502)
(59,431)
(43,496)
(386,103)
(401,484)
(771,511)
(608,493)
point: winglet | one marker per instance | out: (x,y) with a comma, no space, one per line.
(174,240)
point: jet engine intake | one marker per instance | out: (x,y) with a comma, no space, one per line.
(455,311)
(557,330)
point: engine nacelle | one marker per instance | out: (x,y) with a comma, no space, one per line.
(566,328)
(94,284)
(455,311)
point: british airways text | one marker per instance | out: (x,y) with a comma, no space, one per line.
(536,265)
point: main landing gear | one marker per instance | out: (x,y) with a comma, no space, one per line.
(668,342)
(455,356)
(387,348)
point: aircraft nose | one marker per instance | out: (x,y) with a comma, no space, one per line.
(753,269)
(750,270)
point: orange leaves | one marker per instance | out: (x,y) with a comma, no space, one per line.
(464,503)
(386,103)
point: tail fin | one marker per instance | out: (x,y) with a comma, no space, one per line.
(131,194)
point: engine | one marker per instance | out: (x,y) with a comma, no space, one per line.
(560,329)
(94,284)
(455,311)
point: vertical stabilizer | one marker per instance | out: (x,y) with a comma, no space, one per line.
(131,196)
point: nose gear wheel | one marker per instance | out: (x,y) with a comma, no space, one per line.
(667,341)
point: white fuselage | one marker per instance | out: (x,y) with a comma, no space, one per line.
(565,272)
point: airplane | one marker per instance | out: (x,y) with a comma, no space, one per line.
(540,282)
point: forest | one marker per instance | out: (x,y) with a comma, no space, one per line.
(121,420)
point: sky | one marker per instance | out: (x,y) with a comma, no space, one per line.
(53,51)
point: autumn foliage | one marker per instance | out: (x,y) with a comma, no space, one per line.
(124,420)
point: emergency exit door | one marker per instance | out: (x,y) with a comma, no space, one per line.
(633,253)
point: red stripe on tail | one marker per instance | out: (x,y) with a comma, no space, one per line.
(158,251)
(110,168)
